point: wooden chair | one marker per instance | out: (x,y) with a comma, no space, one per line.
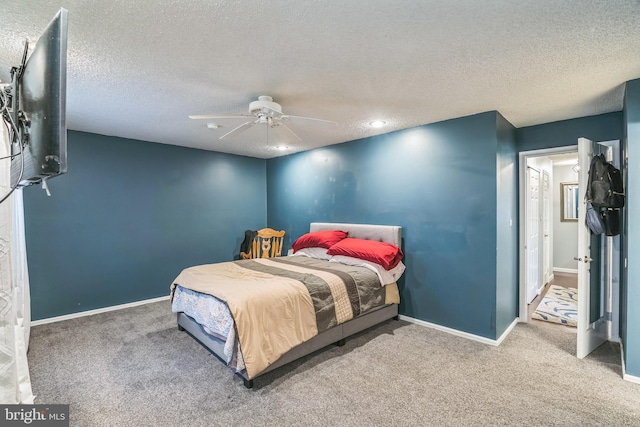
(266,244)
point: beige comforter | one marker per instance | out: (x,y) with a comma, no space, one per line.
(279,303)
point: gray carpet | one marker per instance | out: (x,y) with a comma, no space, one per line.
(134,368)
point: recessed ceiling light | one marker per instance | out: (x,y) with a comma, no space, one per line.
(281,147)
(213,125)
(377,123)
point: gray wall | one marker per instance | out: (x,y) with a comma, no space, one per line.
(565,233)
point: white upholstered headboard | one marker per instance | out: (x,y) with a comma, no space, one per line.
(382,233)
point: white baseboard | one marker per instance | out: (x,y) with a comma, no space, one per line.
(566,270)
(97,311)
(631,378)
(462,334)
(625,376)
(508,331)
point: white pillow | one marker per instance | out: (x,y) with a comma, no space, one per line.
(386,276)
(318,253)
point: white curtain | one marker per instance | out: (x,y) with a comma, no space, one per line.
(15,311)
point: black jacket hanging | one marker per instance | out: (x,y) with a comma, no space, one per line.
(604,186)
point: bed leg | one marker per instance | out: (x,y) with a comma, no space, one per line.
(180,328)
(342,342)
(248,383)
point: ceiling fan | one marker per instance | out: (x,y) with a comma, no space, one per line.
(264,111)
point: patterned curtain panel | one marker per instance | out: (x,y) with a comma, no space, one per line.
(15,384)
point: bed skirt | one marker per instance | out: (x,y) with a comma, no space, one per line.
(328,337)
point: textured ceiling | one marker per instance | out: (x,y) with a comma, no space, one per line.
(137,69)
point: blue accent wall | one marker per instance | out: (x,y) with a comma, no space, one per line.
(507,226)
(130,215)
(630,283)
(603,127)
(438,182)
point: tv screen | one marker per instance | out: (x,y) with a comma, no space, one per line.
(41,100)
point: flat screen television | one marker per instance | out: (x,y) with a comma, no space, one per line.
(39,107)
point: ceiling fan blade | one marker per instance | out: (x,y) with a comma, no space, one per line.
(206,117)
(290,131)
(239,129)
(287,118)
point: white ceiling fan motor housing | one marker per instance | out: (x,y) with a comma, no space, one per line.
(258,106)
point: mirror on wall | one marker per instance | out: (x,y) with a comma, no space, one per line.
(569,201)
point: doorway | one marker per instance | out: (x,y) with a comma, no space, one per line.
(544,229)
(551,230)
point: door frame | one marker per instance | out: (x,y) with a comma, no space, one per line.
(522,195)
(523,156)
(613,260)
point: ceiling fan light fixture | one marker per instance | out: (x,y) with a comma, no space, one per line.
(377,123)
(576,167)
(262,112)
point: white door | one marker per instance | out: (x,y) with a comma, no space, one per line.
(546,249)
(533,233)
(592,326)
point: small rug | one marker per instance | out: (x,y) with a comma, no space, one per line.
(559,305)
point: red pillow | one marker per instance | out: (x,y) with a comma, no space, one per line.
(385,254)
(319,239)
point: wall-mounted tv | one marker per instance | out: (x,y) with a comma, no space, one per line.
(38,108)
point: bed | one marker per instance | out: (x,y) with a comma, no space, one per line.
(258,315)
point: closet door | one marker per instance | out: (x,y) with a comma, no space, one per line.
(533,233)
(546,230)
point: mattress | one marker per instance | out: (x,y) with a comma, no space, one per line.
(214,317)
(330,294)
